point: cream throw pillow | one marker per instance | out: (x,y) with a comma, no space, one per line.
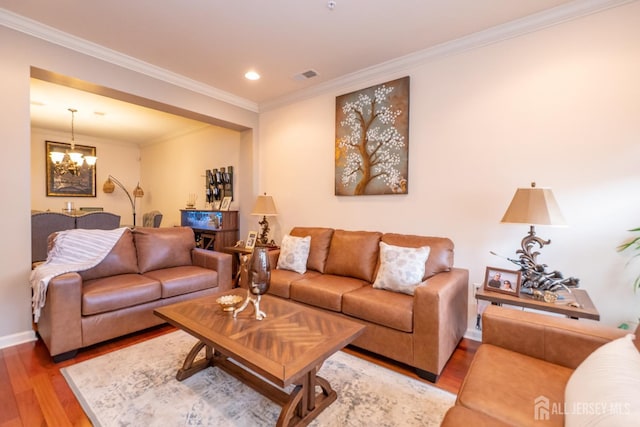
(294,252)
(605,389)
(401,268)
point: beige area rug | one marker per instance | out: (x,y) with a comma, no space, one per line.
(136,386)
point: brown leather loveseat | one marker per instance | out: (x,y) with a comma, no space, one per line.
(421,330)
(147,268)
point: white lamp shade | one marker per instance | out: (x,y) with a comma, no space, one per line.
(534,206)
(264,206)
(76,158)
(91,160)
(56,156)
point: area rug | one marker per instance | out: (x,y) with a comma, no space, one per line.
(136,386)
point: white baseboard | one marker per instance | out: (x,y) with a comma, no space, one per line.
(473,334)
(15,339)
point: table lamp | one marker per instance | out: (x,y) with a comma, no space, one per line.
(264,206)
(536,206)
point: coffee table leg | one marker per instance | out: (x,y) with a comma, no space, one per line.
(191,366)
(304,404)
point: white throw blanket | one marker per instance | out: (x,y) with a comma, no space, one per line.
(73,250)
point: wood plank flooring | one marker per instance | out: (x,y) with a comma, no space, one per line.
(33,392)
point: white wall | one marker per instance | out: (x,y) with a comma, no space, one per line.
(19,52)
(559,107)
(173,169)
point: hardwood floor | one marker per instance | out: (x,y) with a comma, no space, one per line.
(33,392)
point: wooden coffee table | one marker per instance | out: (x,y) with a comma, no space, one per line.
(287,347)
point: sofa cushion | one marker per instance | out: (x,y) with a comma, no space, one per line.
(163,247)
(401,269)
(440,255)
(353,254)
(391,309)
(610,378)
(294,252)
(281,281)
(319,249)
(116,292)
(121,260)
(510,386)
(324,291)
(184,279)
(458,416)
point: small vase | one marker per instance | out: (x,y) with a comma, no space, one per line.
(259,279)
(259,271)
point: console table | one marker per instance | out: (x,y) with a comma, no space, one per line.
(586,309)
(214,230)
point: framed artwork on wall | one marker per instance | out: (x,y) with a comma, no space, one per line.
(501,280)
(62,183)
(372,140)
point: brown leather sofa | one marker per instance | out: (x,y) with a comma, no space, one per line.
(420,330)
(524,357)
(147,268)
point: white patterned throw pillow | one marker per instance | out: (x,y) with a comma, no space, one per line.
(401,268)
(294,252)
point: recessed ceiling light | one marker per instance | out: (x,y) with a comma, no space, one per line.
(252,75)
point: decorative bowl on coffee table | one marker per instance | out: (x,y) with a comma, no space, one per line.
(229,302)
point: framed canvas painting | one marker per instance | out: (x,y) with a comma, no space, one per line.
(372,140)
(61,183)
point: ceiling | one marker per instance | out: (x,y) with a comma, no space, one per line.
(213,42)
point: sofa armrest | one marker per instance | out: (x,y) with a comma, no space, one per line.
(440,318)
(59,325)
(218,261)
(563,341)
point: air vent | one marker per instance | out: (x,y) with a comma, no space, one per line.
(305,75)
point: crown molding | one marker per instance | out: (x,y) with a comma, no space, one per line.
(52,35)
(529,24)
(526,25)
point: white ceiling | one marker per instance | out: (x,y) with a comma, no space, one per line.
(213,42)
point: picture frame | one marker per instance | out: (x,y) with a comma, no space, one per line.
(215,205)
(65,185)
(503,281)
(251,240)
(372,128)
(226,203)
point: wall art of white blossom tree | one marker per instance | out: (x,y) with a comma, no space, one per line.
(372,140)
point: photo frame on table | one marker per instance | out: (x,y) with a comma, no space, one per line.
(226,203)
(67,184)
(251,240)
(504,281)
(215,205)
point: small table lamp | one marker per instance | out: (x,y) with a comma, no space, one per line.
(536,206)
(264,206)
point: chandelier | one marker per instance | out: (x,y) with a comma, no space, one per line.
(71,161)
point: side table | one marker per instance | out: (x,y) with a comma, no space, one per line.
(585,308)
(239,259)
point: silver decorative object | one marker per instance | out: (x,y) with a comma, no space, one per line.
(259,280)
